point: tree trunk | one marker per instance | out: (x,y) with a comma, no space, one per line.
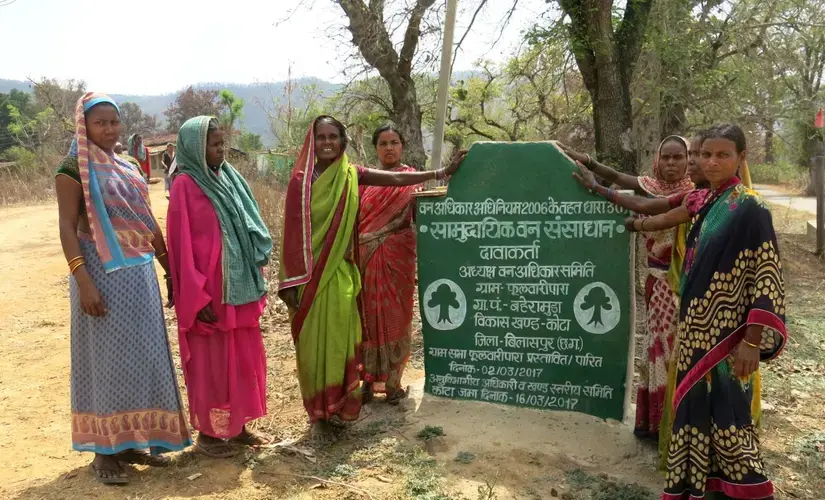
(612,122)
(407,115)
(810,149)
(769,155)
(373,40)
(646,116)
(606,60)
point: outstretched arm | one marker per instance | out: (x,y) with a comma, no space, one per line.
(638,204)
(610,175)
(669,220)
(371,177)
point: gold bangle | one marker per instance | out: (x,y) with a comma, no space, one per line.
(749,344)
(161,255)
(76,262)
(79,257)
(76,266)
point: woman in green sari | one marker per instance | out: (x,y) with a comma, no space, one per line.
(320,281)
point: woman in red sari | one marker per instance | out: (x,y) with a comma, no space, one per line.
(387,262)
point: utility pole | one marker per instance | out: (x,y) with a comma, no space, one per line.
(819,184)
(443,84)
(819,175)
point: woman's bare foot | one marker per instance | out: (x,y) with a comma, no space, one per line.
(249,438)
(336,423)
(214,447)
(107,470)
(322,432)
(366,393)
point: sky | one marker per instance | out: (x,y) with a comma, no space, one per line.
(147,47)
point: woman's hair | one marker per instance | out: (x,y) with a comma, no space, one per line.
(388,127)
(342,130)
(213,125)
(727,131)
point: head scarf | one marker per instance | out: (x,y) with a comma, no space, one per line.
(656,185)
(244,237)
(112,186)
(136,148)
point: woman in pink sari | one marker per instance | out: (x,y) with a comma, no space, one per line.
(217,245)
(387,263)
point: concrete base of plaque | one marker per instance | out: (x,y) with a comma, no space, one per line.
(569,439)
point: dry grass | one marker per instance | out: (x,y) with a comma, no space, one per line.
(376,456)
(27,184)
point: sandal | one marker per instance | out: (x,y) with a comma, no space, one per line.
(396,396)
(252,439)
(118,479)
(141,457)
(217,449)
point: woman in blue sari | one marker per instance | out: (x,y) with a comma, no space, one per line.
(124,393)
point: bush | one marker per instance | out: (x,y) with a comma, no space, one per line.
(783,173)
(30,179)
(25,159)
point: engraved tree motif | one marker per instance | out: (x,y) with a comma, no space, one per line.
(444,298)
(597,300)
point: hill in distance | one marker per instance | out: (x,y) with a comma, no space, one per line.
(255,118)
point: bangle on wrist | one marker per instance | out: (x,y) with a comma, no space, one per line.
(589,161)
(750,344)
(161,255)
(76,266)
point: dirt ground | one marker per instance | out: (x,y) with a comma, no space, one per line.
(427,448)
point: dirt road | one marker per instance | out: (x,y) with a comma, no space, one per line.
(528,452)
(34,346)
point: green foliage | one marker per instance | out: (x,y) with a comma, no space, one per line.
(602,488)
(22,101)
(344,471)
(232,110)
(25,159)
(430,432)
(288,121)
(464,457)
(424,475)
(782,173)
(249,141)
(533,96)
